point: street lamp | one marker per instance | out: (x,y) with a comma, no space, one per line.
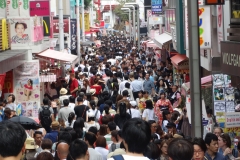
(134,22)
(129,19)
(138,24)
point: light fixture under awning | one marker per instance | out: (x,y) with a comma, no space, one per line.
(162,39)
(52,54)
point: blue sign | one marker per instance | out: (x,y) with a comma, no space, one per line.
(156,6)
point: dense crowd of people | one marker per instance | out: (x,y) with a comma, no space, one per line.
(117,103)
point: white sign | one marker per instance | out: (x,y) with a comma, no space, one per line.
(174,35)
(204,27)
(220,24)
(201,2)
(149,13)
(156,20)
(232,120)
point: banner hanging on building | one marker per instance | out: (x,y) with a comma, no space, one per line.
(73,33)
(220,31)
(39,8)
(86,22)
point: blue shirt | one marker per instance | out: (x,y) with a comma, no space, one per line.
(137,85)
(148,85)
(218,156)
(52,136)
(1,115)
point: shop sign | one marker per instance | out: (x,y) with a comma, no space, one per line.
(23,8)
(46,26)
(156,6)
(232,120)
(204,27)
(214,2)
(230,59)
(220,31)
(174,35)
(8,84)
(86,22)
(65,25)
(12,8)
(39,8)
(73,33)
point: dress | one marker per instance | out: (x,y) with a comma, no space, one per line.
(186,128)
(160,106)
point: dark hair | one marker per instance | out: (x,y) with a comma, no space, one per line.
(226,139)
(165,113)
(108,102)
(93,104)
(13,137)
(106,119)
(103,130)
(210,137)
(180,149)
(24,25)
(200,142)
(80,99)
(65,136)
(209,111)
(126,77)
(65,102)
(45,101)
(125,93)
(91,138)
(106,109)
(152,151)
(114,134)
(101,142)
(127,85)
(93,129)
(149,104)
(71,116)
(150,122)
(37,132)
(112,126)
(46,144)
(71,99)
(133,127)
(79,123)
(78,149)
(122,109)
(45,156)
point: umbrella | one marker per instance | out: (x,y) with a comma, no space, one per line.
(26,122)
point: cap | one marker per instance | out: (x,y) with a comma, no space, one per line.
(30,143)
(133,103)
(55,124)
(171,125)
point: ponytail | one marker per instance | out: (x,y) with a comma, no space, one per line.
(106,109)
(93,104)
(70,118)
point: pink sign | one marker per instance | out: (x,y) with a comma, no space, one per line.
(39,8)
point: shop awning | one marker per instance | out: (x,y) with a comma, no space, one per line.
(151,44)
(205,82)
(180,59)
(11,59)
(56,55)
(161,39)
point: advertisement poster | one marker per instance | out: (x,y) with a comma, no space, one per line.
(232,120)
(39,8)
(220,32)
(73,33)
(219,107)
(37,35)
(86,22)
(65,25)
(20,31)
(26,88)
(12,8)
(205,27)
(156,6)
(24,8)
(3,6)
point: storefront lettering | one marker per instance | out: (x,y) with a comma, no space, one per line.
(231,59)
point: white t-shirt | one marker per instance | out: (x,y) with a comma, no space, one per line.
(88,125)
(102,151)
(127,157)
(67,124)
(71,105)
(135,113)
(149,113)
(93,112)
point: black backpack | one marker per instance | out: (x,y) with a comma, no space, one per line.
(45,116)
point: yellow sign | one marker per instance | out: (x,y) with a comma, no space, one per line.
(4,35)
(86,22)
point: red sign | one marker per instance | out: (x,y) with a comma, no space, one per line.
(39,8)
(56,25)
(102,24)
(8,83)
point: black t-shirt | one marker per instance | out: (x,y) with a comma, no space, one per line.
(80,111)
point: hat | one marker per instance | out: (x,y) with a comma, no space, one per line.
(133,103)
(177,136)
(171,125)
(81,73)
(30,143)
(92,91)
(55,124)
(63,91)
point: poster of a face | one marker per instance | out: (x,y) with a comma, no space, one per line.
(219,94)
(27,89)
(20,31)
